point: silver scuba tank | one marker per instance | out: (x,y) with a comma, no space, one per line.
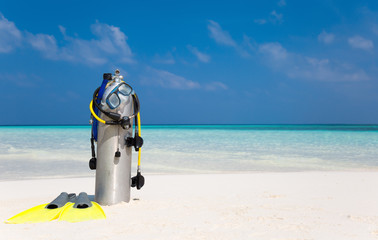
(113,165)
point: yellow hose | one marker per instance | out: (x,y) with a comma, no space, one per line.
(139,152)
(94,114)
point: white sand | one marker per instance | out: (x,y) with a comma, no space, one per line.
(315,205)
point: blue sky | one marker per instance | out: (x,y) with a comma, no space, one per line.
(226,62)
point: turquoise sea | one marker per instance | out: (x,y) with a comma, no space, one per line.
(63,151)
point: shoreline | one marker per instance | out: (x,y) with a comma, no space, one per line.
(61,177)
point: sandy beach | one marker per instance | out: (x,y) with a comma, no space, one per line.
(303,205)
(249,120)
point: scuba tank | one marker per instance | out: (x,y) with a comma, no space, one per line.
(114,111)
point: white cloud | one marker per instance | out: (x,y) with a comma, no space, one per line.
(276,17)
(273,50)
(325,70)
(223,38)
(10,36)
(247,42)
(281,3)
(302,67)
(109,43)
(219,35)
(326,38)
(360,42)
(165,79)
(111,40)
(62,30)
(201,56)
(44,43)
(214,86)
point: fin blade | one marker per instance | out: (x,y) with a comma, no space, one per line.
(35,214)
(71,214)
(44,212)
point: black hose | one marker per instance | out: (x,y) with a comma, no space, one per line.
(93,147)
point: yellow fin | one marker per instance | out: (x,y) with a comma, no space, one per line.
(71,214)
(37,214)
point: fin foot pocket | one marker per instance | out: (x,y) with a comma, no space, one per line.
(82,210)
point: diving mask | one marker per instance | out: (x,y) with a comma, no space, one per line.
(113,99)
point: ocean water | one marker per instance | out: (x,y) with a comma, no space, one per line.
(63,151)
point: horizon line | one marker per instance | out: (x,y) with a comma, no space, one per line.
(202,124)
